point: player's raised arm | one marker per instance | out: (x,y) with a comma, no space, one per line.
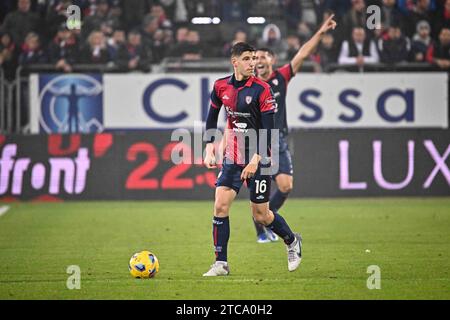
(211,129)
(312,44)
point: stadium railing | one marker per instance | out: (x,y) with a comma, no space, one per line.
(2,101)
(9,106)
(171,65)
(6,103)
(382,67)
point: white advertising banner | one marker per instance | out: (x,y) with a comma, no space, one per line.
(378,100)
(155,101)
(94,103)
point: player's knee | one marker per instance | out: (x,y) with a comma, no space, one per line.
(221,209)
(260,218)
(286,187)
(261,215)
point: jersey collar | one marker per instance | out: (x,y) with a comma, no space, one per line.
(272,75)
(247,84)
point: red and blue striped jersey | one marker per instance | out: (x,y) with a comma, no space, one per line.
(279,81)
(244,107)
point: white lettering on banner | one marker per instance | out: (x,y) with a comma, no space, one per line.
(344,181)
(344,165)
(388,100)
(156,101)
(73,170)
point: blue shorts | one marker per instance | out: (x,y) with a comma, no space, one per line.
(259,185)
(285,159)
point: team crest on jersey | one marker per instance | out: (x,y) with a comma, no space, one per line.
(275,82)
(248,99)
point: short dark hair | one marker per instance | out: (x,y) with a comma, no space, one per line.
(269,51)
(241,47)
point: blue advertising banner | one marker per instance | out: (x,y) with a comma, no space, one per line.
(70,103)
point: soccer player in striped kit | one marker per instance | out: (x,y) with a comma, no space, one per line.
(250,108)
(278,80)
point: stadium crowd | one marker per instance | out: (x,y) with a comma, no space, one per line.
(135,34)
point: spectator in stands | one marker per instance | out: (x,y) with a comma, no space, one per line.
(115,12)
(63,51)
(442,18)
(96,51)
(292,12)
(6,6)
(304,31)
(293,45)
(439,53)
(421,11)
(235,10)
(359,50)
(149,26)
(395,47)
(175,10)
(32,52)
(114,42)
(101,20)
(133,56)
(162,41)
(180,43)
(406,6)
(182,34)
(379,33)
(327,52)
(56,17)
(340,7)
(133,12)
(157,11)
(356,17)
(8,55)
(391,15)
(421,42)
(193,50)
(239,36)
(21,22)
(168,38)
(272,39)
(7,47)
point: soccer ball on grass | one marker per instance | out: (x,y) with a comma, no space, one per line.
(143,265)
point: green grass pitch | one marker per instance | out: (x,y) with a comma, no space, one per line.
(409,239)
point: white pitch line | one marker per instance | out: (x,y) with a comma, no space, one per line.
(4,210)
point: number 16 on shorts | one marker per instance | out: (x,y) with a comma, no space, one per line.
(260,190)
(261,186)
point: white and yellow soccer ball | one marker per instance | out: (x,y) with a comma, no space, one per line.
(143,265)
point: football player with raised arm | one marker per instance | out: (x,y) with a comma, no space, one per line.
(278,80)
